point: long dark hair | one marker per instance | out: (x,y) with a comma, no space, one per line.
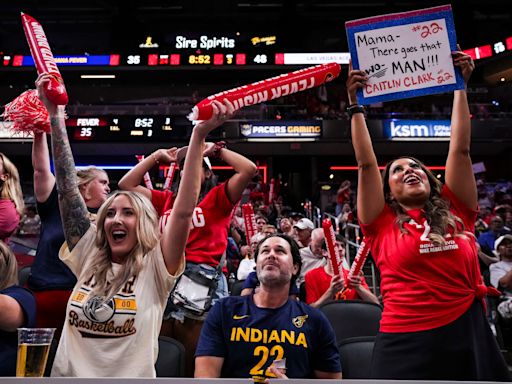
(437,210)
(208,184)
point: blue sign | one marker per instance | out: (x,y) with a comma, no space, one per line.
(281,129)
(405,54)
(410,129)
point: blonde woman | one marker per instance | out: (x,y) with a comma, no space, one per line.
(11,198)
(51,280)
(125,270)
(17,309)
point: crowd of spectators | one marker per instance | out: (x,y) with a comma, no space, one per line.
(316,284)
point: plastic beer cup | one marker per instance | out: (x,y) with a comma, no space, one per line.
(33,348)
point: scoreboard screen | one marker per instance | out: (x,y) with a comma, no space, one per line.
(151,59)
(219,53)
(125,129)
(198,59)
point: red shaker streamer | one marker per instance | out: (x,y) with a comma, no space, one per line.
(249,222)
(268,89)
(44,60)
(357,264)
(170,176)
(147,179)
(27,114)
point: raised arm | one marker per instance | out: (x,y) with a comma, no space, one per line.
(73,211)
(459,172)
(175,234)
(131,181)
(43,177)
(245,170)
(370,197)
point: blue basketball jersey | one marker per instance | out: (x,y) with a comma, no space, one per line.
(250,338)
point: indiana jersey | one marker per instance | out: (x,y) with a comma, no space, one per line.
(208,237)
(250,338)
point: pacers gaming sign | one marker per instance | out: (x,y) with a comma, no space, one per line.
(281,129)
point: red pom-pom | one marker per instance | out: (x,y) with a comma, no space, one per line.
(27,113)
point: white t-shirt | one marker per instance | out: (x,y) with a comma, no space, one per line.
(309,261)
(245,267)
(498,270)
(120,337)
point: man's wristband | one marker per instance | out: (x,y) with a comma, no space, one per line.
(355,108)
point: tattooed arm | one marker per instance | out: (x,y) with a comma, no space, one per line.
(73,210)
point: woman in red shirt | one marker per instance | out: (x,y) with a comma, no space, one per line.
(421,234)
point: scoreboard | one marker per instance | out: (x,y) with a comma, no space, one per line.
(180,60)
(124,128)
(119,129)
(151,59)
(202,50)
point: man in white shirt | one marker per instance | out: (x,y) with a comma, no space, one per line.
(303,228)
(501,273)
(312,256)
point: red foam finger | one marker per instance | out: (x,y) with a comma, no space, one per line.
(44,60)
(269,89)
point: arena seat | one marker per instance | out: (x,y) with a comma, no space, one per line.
(23,275)
(171,358)
(236,289)
(352,318)
(356,357)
